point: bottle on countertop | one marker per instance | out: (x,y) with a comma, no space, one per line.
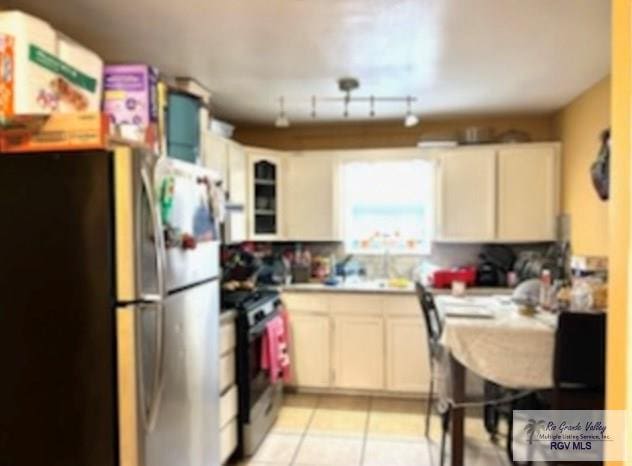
(512,279)
(545,289)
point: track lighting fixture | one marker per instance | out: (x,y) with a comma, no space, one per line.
(411,119)
(282,120)
(346,86)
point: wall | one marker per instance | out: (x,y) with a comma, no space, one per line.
(578,126)
(619,363)
(383,133)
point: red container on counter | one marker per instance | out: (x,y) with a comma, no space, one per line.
(443,278)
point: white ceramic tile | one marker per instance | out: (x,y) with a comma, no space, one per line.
(329,451)
(277,448)
(292,420)
(336,422)
(397,453)
(397,405)
(397,426)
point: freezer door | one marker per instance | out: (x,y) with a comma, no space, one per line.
(185,195)
(185,430)
(140,256)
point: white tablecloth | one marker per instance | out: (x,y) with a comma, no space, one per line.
(510,349)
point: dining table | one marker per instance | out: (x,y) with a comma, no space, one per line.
(492,338)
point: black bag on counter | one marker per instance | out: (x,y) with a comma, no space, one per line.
(600,169)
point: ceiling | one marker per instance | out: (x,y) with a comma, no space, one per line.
(456,56)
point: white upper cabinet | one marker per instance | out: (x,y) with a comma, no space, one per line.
(215,154)
(502,193)
(236,223)
(466,195)
(528,199)
(266,177)
(237,173)
(228,158)
(310,197)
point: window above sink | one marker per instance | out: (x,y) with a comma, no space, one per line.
(387,206)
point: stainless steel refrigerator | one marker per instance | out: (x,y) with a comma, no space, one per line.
(109,311)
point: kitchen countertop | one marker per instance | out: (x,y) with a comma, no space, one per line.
(381,287)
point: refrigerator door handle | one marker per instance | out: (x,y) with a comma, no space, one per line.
(159,240)
(158,376)
(158,300)
(150,402)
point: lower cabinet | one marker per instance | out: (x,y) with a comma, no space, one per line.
(356,341)
(407,356)
(358,352)
(310,352)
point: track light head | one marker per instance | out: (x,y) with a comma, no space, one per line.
(411,119)
(282,120)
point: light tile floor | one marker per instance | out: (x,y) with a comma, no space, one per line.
(364,431)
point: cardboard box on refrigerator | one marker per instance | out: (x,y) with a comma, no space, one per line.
(44,72)
(130,100)
(59,131)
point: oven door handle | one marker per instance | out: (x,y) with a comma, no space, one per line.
(260,327)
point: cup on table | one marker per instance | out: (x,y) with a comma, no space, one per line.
(458,288)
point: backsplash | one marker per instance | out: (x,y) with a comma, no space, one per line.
(413,266)
(442,255)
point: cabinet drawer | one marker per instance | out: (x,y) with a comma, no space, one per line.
(356,303)
(313,302)
(226,371)
(228,406)
(401,305)
(227,337)
(227,440)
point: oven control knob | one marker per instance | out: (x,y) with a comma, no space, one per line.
(259,316)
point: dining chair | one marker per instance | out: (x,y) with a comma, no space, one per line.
(578,372)
(579,365)
(434,328)
(579,361)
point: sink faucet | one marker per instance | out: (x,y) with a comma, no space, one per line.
(386,264)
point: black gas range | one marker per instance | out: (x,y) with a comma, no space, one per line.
(259,399)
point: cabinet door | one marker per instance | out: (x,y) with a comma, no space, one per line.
(237,167)
(466,195)
(265,200)
(359,352)
(407,363)
(527,193)
(310,190)
(215,155)
(310,349)
(236,229)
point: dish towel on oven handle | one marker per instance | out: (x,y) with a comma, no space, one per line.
(275,351)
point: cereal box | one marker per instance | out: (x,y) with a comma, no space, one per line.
(131,95)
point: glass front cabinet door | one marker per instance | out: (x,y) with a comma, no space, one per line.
(265,195)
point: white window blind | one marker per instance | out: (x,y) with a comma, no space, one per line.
(387,206)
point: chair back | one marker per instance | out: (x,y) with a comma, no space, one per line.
(580,350)
(433,323)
